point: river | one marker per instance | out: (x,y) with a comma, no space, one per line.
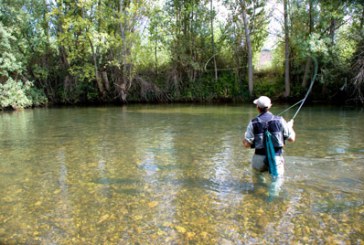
(176,174)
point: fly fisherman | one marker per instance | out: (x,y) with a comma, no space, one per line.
(280,131)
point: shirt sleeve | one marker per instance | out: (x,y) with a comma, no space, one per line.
(249,134)
(287,131)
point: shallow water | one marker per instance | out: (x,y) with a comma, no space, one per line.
(176,175)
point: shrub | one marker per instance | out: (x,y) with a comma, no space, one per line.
(268,85)
(16,95)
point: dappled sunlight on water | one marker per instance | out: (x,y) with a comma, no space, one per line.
(176,175)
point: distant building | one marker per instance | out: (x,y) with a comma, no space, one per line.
(265,59)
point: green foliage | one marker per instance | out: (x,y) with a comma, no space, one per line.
(268,84)
(206,88)
(16,43)
(226,87)
(324,30)
(8,60)
(17,95)
(13,94)
(36,96)
(146,51)
(11,46)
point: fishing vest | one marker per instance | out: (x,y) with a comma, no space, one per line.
(272,123)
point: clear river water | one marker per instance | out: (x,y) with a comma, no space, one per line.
(176,174)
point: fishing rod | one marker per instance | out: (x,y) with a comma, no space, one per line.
(289,107)
(307,93)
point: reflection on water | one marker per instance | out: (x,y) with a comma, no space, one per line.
(176,175)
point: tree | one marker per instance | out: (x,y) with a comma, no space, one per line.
(310,31)
(188,27)
(16,44)
(248,46)
(213,40)
(286,51)
(315,33)
(115,50)
(357,62)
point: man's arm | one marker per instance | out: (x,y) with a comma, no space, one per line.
(248,136)
(289,132)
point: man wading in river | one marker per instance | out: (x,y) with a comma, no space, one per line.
(278,131)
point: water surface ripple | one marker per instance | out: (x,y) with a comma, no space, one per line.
(176,174)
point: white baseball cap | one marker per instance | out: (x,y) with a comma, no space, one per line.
(263,102)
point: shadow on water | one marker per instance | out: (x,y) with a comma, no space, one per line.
(336,205)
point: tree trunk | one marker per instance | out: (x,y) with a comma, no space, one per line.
(100,84)
(125,81)
(156,57)
(286,53)
(213,41)
(308,61)
(105,79)
(191,22)
(362,19)
(249,47)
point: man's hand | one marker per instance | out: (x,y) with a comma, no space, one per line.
(292,136)
(246,143)
(290,123)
